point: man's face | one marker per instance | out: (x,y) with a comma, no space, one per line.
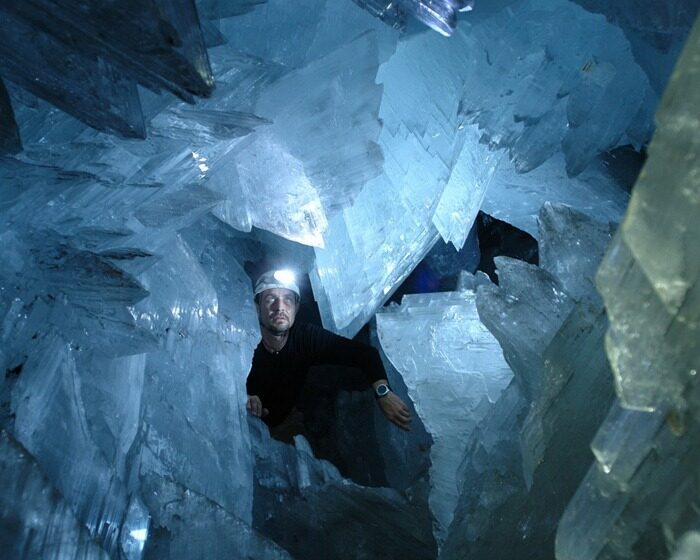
(277,309)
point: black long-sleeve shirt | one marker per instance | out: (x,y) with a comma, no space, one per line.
(277,378)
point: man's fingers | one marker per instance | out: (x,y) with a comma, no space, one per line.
(265,412)
(254,405)
(396,411)
(402,420)
(403,411)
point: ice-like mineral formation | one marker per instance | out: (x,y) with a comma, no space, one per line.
(126,320)
(35,521)
(526,457)
(304,504)
(639,495)
(449,113)
(453,367)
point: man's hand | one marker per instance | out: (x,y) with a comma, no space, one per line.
(254,405)
(396,411)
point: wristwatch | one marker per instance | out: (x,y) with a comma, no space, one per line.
(381,390)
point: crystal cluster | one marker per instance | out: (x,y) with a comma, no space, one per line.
(453,368)
(525,458)
(306,506)
(426,130)
(154,153)
(463,122)
(641,491)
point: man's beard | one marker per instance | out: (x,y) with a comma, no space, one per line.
(277,331)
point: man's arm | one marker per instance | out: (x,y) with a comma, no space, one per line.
(393,408)
(329,348)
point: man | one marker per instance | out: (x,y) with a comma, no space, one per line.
(287,351)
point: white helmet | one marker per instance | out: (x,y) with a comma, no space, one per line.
(277,279)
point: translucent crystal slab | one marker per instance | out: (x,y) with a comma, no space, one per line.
(656,30)
(83,456)
(283,23)
(93,91)
(347,284)
(540,104)
(93,188)
(281,467)
(36,520)
(594,510)
(319,150)
(376,243)
(571,247)
(329,119)
(562,93)
(158,44)
(312,26)
(194,526)
(194,386)
(93,420)
(574,364)
(304,505)
(466,188)
(526,459)
(524,312)
(406,455)
(135,529)
(466,366)
(170,207)
(623,441)
(159,184)
(654,265)
(433,192)
(116,208)
(201,145)
(616,511)
(490,475)
(82,293)
(517,198)
(511,490)
(218,254)
(214,9)
(647,456)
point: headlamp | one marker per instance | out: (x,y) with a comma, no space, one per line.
(284,276)
(277,279)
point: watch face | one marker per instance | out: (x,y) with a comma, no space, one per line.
(382,390)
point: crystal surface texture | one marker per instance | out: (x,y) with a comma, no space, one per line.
(35,518)
(304,504)
(492,120)
(155,153)
(87,58)
(528,453)
(453,368)
(640,492)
